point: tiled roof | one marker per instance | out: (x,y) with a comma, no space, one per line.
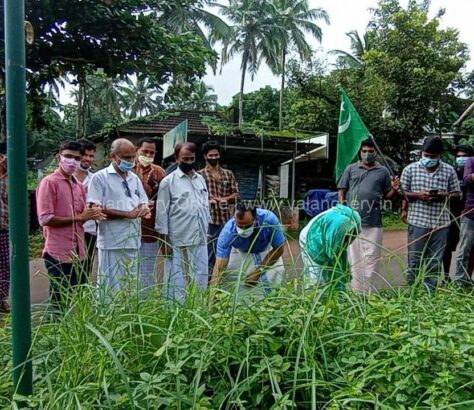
(158,127)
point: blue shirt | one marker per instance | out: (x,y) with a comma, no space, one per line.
(268,231)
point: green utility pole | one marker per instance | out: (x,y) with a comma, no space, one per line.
(18,194)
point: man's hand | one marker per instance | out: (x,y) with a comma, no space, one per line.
(141,211)
(440,196)
(424,196)
(92,213)
(253,278)
(405,216)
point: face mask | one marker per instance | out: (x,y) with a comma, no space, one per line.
(69,165)
(368,157)
(461,161)
(213,161)
(145,161)
(429,162)
(186,167)
(125,166)
(245,233)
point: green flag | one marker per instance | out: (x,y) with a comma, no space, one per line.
(352,131)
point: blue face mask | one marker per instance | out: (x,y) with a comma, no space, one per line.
(429,162)
(461,161)
(125,166)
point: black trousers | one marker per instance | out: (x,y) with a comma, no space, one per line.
(212,237)
(62,279)
(90,255)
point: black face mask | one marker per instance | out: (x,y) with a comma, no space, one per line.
(185,167)
(213,161)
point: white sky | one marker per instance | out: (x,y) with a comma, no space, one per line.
(345,15)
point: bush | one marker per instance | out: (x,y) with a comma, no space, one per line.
(313,350)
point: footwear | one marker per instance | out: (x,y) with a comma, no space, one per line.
(4,307)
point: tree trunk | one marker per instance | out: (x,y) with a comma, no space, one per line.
(80,110)
(282,89)
(241,95)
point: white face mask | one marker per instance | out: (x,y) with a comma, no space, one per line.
(245,233)
(145,161)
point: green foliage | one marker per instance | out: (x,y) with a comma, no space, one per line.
(36,244)
(121,37)
(311,350)
(418,64)
(260,105)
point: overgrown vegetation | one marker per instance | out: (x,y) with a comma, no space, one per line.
(312,350)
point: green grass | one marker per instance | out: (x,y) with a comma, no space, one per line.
(316,350)
(392,221)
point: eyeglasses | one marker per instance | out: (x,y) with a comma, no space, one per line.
(127,189)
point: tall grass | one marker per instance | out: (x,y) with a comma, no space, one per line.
(314,350)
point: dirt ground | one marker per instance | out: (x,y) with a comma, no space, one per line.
(392,266)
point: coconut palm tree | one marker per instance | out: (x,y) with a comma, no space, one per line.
(203,97)
(140,97)
(294,18)
(253,34)
(359,46)
(181,16)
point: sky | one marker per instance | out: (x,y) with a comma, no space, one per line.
(345,15)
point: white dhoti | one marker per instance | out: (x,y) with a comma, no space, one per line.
(117,270)
(188,266)
(241,264)
(148,261)
(364,257)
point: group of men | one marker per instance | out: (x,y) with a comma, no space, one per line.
(135,214)
(438,203)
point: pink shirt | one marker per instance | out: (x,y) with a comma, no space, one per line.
(57,196)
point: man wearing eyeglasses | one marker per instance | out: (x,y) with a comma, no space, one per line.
(61,209)
(120,194)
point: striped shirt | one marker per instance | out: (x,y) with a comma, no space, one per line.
(415,178)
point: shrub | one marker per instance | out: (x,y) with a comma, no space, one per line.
(394,350)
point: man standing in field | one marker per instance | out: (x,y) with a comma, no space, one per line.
(120,194)
(151,176)
(429,185)
(462,154)
(84,175)
(182,218)
(362,187)
(223,193)
(61,209)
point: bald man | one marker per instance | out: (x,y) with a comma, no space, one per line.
(120,194)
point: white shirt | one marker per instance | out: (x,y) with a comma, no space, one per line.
(182,209)
(108,189)
(90,226)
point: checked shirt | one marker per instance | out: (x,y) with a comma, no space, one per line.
(416,178)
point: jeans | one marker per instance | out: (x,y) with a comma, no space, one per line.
(466,245)
(212,237)
(425,255)
(62,278)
